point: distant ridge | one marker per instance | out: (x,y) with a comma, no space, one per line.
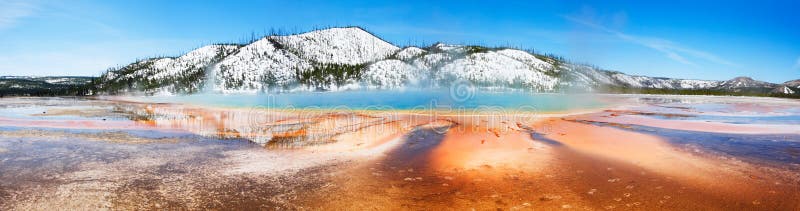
(44,85)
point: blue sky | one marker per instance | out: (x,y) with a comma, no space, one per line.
(685,39)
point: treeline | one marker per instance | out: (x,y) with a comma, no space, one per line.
(26,87)
(330,74)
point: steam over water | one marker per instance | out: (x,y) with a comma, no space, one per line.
(211,78)
(394,99)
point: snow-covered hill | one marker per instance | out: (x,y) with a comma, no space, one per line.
(352,58)
(350,46)
(184,74)
(743,83)
(788,87)
(793,84)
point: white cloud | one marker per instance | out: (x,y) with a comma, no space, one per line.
(13,10)
(670,49)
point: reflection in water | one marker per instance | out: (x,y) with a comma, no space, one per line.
(273,129)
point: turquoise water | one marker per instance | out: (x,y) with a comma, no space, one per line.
(392,99)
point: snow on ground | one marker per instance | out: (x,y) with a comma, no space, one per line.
(277,59)
(196,60)
(526,58)
(455,49)
(429,61)
(497,69)
(258,62)
(339,46)
(786,90)
(591,75)
(409,53)
(633,81)
(58,80)
(388,73)
(697,84)
(663,83)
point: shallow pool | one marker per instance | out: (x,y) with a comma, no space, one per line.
(393,99)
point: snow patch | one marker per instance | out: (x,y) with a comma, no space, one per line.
(338,46)
(409,53)
(492,68)
(258,64)
(526,58)
(388,74)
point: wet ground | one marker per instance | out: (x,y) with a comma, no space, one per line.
(640,153)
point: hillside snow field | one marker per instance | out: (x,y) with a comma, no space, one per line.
(352,58)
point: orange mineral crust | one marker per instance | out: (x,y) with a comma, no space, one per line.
(128,155)
(589,167)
